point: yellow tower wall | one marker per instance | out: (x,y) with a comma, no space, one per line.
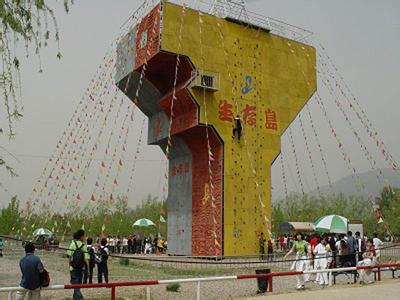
(283,78)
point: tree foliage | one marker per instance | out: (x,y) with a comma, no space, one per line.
(116,218)
(309,209)
(26,22)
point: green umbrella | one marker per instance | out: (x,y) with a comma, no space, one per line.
(331,223)
(143,223)
(42,231)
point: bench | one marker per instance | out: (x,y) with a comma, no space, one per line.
(348,273)
(386,269)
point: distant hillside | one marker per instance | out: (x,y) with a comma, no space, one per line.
(348,187)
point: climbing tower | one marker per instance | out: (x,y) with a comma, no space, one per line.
(191,73)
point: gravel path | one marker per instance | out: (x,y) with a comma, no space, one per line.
(58,268)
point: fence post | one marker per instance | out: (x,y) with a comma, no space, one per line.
(113,293)
(379,273)
(147,293)
(270,283)
(198,290)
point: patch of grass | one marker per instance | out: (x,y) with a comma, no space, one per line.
(124,261)
(173,287)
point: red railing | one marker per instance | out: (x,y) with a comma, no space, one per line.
(270,276)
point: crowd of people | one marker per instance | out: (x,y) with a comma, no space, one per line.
(83,259)
(326,251)
(134,244)
(316,252)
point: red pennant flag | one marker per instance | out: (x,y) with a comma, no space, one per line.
(78,197)
(123,148)
(111,197)
(97,184)
(63,187)
(92,198)
(79,120)
(62,168)
(115,181)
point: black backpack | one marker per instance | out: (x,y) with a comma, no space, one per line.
(104,255)
(91,254)
(78,258)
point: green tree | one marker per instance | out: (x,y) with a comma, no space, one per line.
(10,217)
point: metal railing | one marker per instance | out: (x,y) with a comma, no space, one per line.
(233,11)
(269,277)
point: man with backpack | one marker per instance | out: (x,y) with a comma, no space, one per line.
(89,268)
(78,258)
(31,269)
(102,262)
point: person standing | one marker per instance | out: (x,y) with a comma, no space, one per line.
(31,269)
(130,250)
(334,250)
(119,244)
(1,247)
(361,245)
(134,244)
(353,247)
(261,241)
(270,250)
(321,261)
(102,266)
(78,257)
(89,268)
(124,245)
(300,247)
(377,245)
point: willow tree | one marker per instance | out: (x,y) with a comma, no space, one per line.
(30,25)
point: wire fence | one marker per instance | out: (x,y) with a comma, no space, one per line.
(122,264)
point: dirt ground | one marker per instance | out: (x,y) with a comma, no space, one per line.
(136,270)
(388,290)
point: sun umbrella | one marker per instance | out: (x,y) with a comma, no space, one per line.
(42,231)
(143,223)
(331,223)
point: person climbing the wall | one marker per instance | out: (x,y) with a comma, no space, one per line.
(238,127)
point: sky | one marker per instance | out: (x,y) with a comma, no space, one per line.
(361,37)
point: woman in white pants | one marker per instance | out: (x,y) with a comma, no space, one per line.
(321,261)
(300,247)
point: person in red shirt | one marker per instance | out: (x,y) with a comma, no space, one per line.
(282,243)
(313,243)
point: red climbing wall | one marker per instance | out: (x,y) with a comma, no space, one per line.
(203,242)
